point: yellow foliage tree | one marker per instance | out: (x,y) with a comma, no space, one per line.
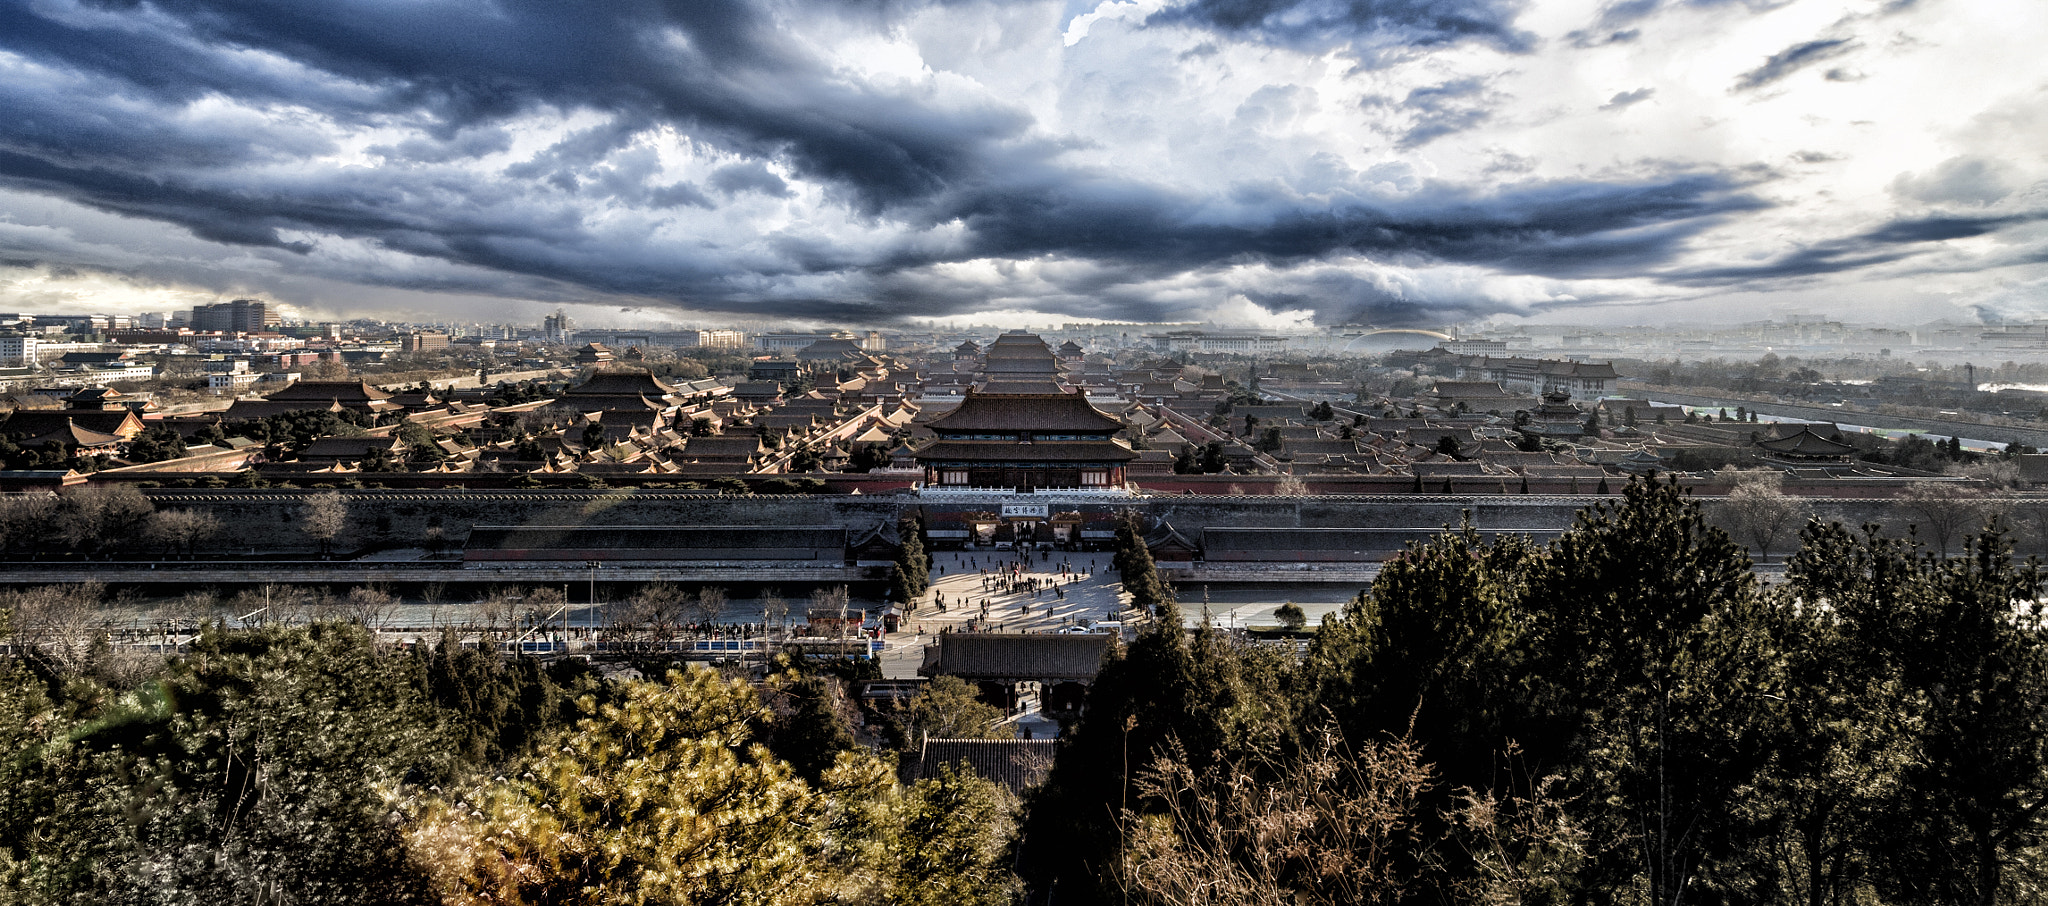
(661,799)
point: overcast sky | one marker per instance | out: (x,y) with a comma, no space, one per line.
(876,161)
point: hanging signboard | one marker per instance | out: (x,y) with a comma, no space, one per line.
(1025,510)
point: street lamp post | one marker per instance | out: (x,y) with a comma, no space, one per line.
(593,564)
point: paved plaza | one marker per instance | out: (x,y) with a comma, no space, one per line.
(1087,589)
(988,591)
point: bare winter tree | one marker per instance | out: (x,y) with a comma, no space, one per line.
(652,614)
(193,608)
(498,609)
(710,602)
(1329,830)
(832,601)
(58,625)
(181,531)
(1332,824)
(326,369)
(540,606)
(2030,531)
(92,520)
(1527,846)
(322,605)
(368,606)
(323,518)
(1945,509)
(25,520)
(1997,474)
(1757,512)
(1291,486)
(285,605)
(774,608)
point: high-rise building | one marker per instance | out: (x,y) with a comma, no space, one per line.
(791,342)
(18,352)
(558,328)
(718,337)
(239,316)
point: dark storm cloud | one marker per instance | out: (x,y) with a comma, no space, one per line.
(1611,28)
(1627,12)
(1555,228)
(1892,242)
(1325,24)
(717,65)
(1446,109)
(465,144)
(1791,60)
(110,115)
(1939,229)
(1347,299)
(207,216)
(1622,21)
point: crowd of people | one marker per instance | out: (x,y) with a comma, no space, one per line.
(1010,577)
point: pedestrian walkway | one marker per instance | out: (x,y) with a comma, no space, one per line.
(1011,591)
(1030,721)
(1005,591)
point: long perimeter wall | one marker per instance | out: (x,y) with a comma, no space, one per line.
(268,522)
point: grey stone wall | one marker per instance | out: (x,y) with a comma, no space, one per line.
(267,522)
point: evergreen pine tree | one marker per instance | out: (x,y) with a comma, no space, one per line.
(912,576)
(1644,617)
(1961,641)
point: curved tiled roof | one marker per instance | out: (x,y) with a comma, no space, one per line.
(1011,451)
(344,392)
(1013,388)
(724,446)
(1020,365)
(621,383)
(40,422)
(1018,339)
(1043,412)
(1806,443)
(73,435)
(1026,656)
(830,348)
(1165,535)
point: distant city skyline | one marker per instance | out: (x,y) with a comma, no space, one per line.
(1267,164)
